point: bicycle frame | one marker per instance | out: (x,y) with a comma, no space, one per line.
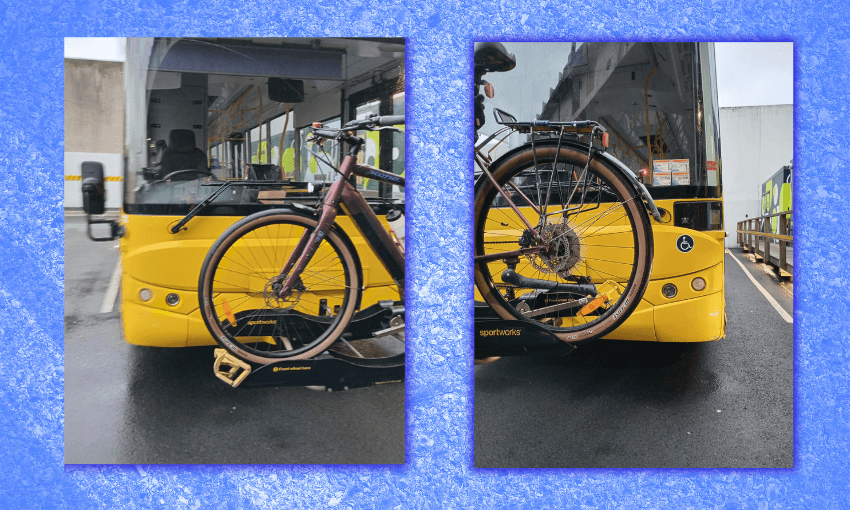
(343,193)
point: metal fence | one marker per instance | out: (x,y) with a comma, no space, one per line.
(755,236)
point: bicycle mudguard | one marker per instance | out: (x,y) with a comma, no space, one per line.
(618,165)
(641,189)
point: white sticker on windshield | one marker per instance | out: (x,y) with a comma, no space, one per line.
(679,169)
(661,173)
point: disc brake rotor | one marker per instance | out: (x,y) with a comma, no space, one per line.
(270,294)
(561,249)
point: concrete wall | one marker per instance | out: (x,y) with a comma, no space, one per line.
(755,142)
(94,125)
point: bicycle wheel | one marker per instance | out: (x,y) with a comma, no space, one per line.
(240,308)
(584,270)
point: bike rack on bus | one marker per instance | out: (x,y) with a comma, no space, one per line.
(331,370)
(497,337)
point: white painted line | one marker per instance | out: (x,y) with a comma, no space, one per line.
(764,292)
(112,291)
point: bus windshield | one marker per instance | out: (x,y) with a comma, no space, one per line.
(657,101)
(204,111)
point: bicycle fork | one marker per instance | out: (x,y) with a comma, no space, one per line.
(310,241)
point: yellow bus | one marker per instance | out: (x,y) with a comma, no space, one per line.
(203,111)
(658,104)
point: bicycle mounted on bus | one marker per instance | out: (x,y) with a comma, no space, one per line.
(562,231)
(287,283)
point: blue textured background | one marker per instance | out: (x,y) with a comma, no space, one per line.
(438,472)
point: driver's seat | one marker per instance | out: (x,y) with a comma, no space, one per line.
(182,154)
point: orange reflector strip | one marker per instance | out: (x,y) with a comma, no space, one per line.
(605,139)
(228,313)
(317,124)
(593,305)
(80,178)
(489,91)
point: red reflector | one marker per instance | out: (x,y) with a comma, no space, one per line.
(489,91)
(605,139)
(644,172)
(317,124)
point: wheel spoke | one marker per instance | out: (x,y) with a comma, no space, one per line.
(245,267)
(595,202)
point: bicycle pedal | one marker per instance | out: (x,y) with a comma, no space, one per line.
(607,293)
(229,368)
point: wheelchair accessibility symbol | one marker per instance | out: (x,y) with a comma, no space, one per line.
(685,243)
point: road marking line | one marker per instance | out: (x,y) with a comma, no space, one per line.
(112,291)
(764,292)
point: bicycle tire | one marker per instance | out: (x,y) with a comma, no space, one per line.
(243,315)
(625,268)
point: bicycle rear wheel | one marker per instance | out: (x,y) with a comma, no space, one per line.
(580,273)
(240,307)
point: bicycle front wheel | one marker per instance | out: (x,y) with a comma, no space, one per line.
(241,308)
(582,269)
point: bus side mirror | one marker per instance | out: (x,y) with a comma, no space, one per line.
(94,201)
(94,190)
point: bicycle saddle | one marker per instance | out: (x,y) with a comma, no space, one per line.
(493,57)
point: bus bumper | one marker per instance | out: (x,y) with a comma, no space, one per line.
(152,327)
(701,319)
(694,320)
(690,316)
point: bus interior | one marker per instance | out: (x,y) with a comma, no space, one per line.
(203,111)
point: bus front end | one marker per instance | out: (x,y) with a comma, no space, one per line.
(658,103)
(204,112)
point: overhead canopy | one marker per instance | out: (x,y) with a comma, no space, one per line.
(200,56)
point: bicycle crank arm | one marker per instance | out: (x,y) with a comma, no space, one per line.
(512,277)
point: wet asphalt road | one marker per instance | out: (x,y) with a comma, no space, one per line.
(613,404)
(140,405)
(610,404)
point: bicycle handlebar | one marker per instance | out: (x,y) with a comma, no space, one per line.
(390,120)
(373,122)
(370,123)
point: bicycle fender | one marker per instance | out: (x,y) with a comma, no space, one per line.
(581,147)
(641,189)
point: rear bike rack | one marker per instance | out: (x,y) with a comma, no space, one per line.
(330,370)
(496,337)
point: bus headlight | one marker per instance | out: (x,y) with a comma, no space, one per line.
(698,284)
(172,299)
(669,290)
(145,294)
